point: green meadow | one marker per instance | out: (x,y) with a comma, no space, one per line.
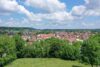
(45,62)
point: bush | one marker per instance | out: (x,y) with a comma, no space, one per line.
(7,50)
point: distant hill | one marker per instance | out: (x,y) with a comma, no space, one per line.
(16,28)
(74,30)
(46,30)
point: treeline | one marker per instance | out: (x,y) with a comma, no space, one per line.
(24,29)
(16,28)
(15,47)
(72,30)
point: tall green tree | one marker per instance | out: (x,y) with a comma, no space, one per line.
(77,47)
(55,46)
(90,51)
(20,44)
(41,48)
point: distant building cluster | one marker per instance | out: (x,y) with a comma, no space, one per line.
(69,36)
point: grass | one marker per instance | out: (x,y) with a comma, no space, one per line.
(44,62)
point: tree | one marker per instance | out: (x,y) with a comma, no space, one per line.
(55,46)
(40,49)
(77,46)
(7,50)
(90,51)
(27,52)
(20,44)
(68,52)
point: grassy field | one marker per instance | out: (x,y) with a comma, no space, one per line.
(44,62)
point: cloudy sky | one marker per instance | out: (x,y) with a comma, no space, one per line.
(52,14)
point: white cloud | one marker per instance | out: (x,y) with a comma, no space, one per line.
(78,10)
(93,4)
(60,16)
(9,6)
(56,16)
(56,12)
(49,5)
(93,7)
(92,13)
(86,1)
(90,8)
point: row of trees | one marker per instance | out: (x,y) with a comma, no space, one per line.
(52,47)
(15,47)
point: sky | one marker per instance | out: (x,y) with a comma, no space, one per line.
(50,14)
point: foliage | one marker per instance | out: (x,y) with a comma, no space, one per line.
(52,47)
(20,43)
(7,50)
(55,46)
(41,48)
(27,52)
(68,52)
(77,48)
(37,49)
(90,51)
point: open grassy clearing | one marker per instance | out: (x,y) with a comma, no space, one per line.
(45,62)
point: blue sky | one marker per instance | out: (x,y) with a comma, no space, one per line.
(50,14)
(72,3)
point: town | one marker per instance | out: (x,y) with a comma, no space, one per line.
(30,34)
(30,37)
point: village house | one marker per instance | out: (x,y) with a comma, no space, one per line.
(73,36)
(29,37)
(45,36)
